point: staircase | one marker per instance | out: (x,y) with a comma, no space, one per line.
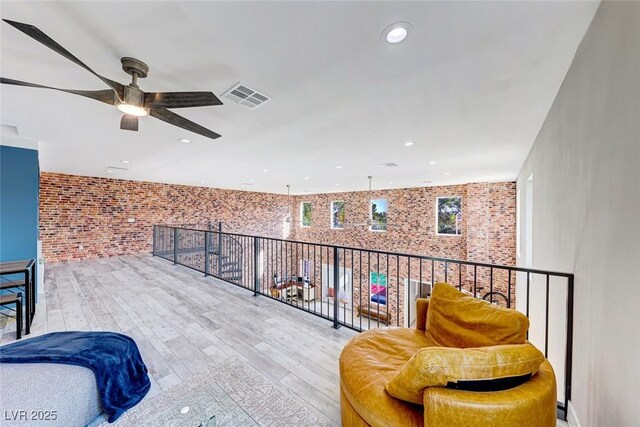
(226,256)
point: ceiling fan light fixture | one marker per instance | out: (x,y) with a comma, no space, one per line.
(132,110)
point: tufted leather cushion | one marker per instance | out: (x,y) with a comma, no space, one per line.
(371,359)
(458,320)
(437,366)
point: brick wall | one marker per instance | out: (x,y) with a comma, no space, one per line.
(86,217)
(93,212)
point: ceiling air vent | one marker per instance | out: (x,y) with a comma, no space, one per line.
(245,96)
(389,165)
(117,168)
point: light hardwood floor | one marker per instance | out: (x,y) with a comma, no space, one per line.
(183,321)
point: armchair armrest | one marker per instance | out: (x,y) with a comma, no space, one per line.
(422,305)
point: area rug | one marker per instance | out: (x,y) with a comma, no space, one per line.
(233,391)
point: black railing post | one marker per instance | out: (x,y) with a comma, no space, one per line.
(220,249)
(153,239)
(569,351)
(256,256)
(207,255)
(336,286)
(175,245)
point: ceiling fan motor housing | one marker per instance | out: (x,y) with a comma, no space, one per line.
(133,96)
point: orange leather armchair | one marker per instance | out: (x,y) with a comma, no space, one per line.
(371,359)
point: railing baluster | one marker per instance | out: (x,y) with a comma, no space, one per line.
(207,260)
(419,283)
(475,280)
(446,271)
(360,290)
(491,283)
(509,290)
(546,317)
(388,295)
(220,250)
(153,241)
(336,285)
(407,292)
(568,365)
(433,272)
(175,245)
(256,279)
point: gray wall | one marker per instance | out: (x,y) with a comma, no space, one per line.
(586,206)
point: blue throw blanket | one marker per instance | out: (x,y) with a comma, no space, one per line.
(120,373)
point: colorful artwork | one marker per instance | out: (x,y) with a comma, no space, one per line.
(449,215)
(378,288)
(378,215)
(305,214)
(337,214)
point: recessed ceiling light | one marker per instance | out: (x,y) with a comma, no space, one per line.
(201,182)
(125,161)
(447,173)
(432,162)
(109,171)
(265,170)
(253,180)
(395,33)
(306,178)
(390,182)
(185,140)
(338,167)
(337,184)
(409,143)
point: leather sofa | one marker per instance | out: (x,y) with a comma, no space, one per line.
(384,359)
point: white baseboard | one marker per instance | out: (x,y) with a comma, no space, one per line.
(572,417)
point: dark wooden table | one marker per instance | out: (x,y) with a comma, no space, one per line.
(26,267)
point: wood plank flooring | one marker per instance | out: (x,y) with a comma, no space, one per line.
(182,322)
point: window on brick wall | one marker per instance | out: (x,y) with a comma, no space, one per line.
(449,216)
(337,214)
(305,214)
(378,214)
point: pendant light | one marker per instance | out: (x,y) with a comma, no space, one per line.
(288,218)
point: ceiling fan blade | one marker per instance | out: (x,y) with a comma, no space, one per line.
(129,122)
(105,95)
(177,120)
(180,99)
(41,37)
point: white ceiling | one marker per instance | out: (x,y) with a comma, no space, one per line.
(471,85)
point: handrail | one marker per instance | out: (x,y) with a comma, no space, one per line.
(402,254)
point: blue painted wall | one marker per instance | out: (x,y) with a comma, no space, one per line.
(19,186)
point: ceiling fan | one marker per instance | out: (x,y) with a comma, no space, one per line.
(129,99)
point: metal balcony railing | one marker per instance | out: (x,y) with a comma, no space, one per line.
(362,288)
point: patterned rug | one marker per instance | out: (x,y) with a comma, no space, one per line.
(231,390)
